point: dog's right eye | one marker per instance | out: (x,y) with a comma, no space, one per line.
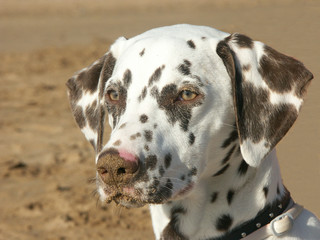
(113,95)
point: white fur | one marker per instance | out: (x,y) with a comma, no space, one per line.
(211,123)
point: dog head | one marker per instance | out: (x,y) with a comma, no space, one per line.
(170,95)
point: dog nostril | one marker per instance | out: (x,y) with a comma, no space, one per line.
(103,171)
(121,171)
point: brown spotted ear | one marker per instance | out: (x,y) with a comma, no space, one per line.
(85,90)
(268,89)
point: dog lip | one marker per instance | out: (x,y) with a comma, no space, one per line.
(184,191)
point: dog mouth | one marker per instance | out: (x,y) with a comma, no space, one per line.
(126,196)
(130,197)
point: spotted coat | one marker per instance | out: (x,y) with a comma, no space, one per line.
(195,116)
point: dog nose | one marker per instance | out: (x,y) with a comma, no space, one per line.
(117,169)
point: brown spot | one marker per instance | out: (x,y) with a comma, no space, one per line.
(92,115)
(79,116)
(142,52)
(246,67)
(171,231)
(174,110)
(134,136)
(123,125)
(143,118)
(156,75)
(127,78)
(117,143)
(282,73)
(184,68)
(242,40)
(143,94)
(148,135)
(151,162)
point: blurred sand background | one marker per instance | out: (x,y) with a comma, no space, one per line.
(45,162)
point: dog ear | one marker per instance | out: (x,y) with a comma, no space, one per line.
(268,89)
(85,91)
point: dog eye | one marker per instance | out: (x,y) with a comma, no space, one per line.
(187,95)
(113,95)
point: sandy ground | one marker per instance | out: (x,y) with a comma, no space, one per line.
(46,164)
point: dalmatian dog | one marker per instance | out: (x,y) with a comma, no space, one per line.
(195,116)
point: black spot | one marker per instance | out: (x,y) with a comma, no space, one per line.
(278,189)
(243,168)
(193,172)
(265,191)
(214,197)
(161,171)
(230,195)
(227,157)
(183,177)
(222,170)
(169,184)
(151,162)
(203,38)
(148,135)
(142,52)
(167,160)
(191,44)
(164,193)
(224,222)
(232,137)
(191,138)
(143,94)
(155,126)
(146,147)
(127,77)
(184,68)
(156,75)
(156,182)
(143,118)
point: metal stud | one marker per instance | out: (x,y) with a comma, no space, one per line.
(280,206)
(271,215)
(258,225)
(243,234)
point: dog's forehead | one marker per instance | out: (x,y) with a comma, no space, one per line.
(166,49)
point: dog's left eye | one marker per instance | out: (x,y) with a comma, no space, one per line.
(187,95)
(113,95)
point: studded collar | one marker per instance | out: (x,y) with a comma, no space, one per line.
(264,217)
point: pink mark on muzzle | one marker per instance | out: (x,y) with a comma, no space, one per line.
(127,156)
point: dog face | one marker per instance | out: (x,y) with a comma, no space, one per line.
(170,94)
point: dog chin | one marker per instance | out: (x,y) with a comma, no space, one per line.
(131,198)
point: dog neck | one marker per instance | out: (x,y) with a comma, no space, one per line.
(222,200)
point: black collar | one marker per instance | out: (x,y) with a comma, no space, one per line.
(263,217)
